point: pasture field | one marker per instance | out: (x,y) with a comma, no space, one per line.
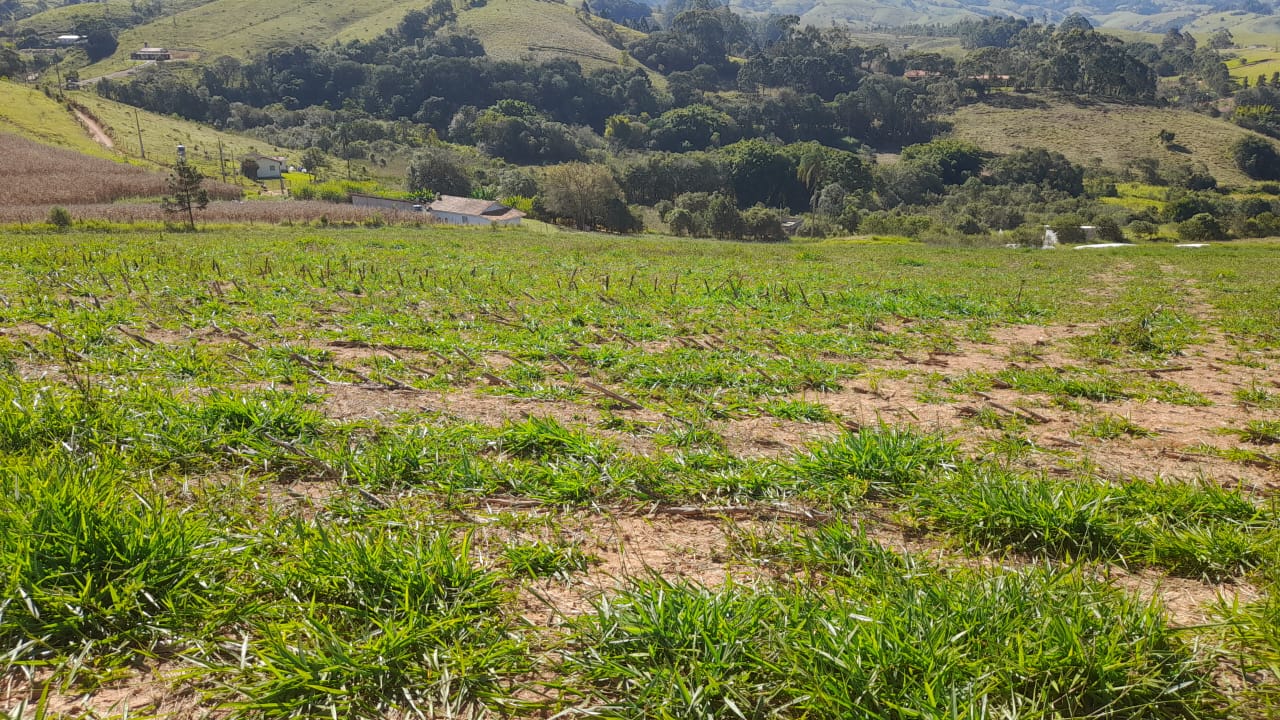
(30,113)
(509,29)
(303,472)
(1112,134)
(1253,62)
(162,134)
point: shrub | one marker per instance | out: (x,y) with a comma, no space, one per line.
(59,217)
(1256,157)
(1201,228)
(1143,229)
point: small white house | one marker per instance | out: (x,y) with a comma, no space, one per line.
(71,39)
(269,168)
(468,211)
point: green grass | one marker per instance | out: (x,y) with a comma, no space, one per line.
(1259,432)
(1195,531)
(340,471)
(30,113)
(1110,427)
(896,638)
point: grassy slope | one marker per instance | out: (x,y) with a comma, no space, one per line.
(30,113)
(1116,134)
(162,134)
(67,17)
(512,29)
(1246,28)
(508,28)
(1253,62)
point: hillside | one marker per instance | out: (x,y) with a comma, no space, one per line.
(509,29)
(161,134)
(1112,133)
(31,114)
(512,29)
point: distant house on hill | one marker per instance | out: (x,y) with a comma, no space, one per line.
(448,209)
(920,74)
(71,40)
(151,53)
(269,168)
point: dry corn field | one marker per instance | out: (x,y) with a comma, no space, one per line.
(425,472)
(35,174)
(259,211)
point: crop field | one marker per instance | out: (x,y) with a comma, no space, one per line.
(39,175)
(429,472)
(1115,135)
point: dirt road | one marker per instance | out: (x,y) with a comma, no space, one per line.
(95,130)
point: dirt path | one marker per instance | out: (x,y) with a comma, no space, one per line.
(95,130)
(119,73)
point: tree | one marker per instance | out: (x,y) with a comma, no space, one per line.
(313,159)
(186,192)
(580,192)
(723,219)
(1221,39)
(763,224)
(99,43)
(1201,228)
(249,168)
(1037,166)
(440,171)
(682,222)
(1144,229)
(1256,157)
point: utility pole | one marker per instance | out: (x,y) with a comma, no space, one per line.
(222,164)
(138,123)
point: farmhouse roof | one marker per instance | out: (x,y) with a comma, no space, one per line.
(260,156)
(470,206)
(152,50)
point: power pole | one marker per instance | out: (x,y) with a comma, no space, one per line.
(138,123)
(222,164)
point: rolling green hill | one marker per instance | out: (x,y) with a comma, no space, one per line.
(509,29)
(1111,133)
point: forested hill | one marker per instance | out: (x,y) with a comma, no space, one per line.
(1155,16)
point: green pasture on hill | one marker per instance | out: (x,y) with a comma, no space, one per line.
(1108,133)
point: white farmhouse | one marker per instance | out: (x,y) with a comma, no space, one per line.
(269,168)
(468,211)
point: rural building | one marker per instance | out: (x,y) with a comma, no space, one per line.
(151,53)
(71,39)
(269,168)
(449,209)
(467,211)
